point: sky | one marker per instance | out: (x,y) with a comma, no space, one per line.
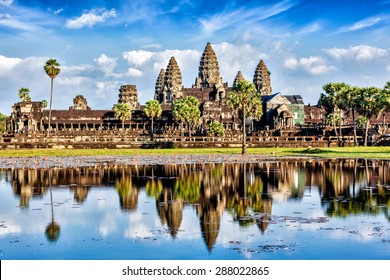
(102,45)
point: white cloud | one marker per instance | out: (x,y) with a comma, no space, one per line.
(59,11)
(106,64)
(241,17)
(151,46)
(6,2)
(7,64)
(10,21)
(365,23)
(313,65)
(361,53)
(310,28)
(137,58)
(90,19)
(104,89)
(72,81)
(132,72)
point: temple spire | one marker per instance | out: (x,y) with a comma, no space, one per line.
(262,79)
(208,69)
(173,88)
(239,78)
(158,93)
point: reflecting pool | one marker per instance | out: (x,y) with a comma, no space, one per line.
(303,209)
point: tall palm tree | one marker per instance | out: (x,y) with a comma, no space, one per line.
(24,94)
(371,105)
(187,110)
(53,229)
(332,100)
(153,110)
(245,97)
(122,112)
(52,70)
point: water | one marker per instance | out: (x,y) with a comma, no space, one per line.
(275,210)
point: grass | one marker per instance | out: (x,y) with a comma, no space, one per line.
(345,152)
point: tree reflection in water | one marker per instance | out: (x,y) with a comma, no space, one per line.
(245,191)
(53,229)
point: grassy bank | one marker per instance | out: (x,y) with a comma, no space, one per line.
(347,152)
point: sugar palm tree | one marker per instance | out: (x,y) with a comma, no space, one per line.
(245,98)
(24,94)
(187,110)
(153,110)
(52,70)
(122,112)
(53,229)
(372,103)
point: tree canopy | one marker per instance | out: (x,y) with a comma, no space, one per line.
(122,112)
(245,98)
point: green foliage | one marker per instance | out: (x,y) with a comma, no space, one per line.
(52,232)
(44,103)
(52,68)
(216,129)
(244,97)
(122,112)
(361,121)
(24,94)
(153,109)
(244,94)
(186,110)
(3,119)
(333,119)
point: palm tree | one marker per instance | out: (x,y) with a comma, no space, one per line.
(187,110)
(52,70)
(53,230)
(348,101)
(122,112)
(332,100)
(24,94)
(245,97)
(44,103)
(372,103)
(386,101)
(216,129)
(153,110)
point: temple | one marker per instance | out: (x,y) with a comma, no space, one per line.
(282,114)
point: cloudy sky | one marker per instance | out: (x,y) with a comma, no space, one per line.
(102,45)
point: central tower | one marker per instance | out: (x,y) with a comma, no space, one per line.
(208,69)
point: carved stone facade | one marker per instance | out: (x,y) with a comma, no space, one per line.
(129,94)
(172,88)
(262,79)
(80,103)
(208,69)
(239,78)
(158,93)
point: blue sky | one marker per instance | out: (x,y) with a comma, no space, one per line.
(102,45)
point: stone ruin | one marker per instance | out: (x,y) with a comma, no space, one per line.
(80,103)
(128,94)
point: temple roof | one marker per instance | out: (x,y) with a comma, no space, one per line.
(208,66)
(262,79)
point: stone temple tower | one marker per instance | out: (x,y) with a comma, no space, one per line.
(129,94)
(173,88)
(239,78)
(262,79)
(158,93)
(208,69)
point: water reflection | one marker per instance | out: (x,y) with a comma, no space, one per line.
(245,191)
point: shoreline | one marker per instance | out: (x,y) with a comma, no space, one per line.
(38,162)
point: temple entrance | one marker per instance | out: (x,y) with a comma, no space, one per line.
(284,118)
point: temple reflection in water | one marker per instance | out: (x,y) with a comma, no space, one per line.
(346,187)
